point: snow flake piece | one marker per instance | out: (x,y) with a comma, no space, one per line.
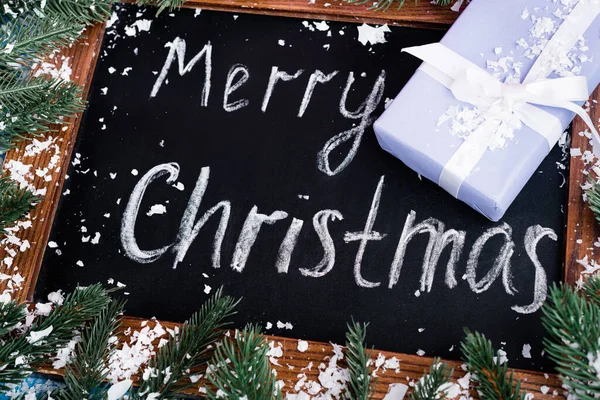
(35,336)
(111,70)
(396,391)
(371,34)
(207,289)
(118,390)
(157,209)
(302,346)
(526,352)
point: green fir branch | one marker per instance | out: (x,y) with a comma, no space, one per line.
(240,368)
(29,38)
(360,386)
(20,355)
(435,384)
(171,367)
(85,12)
(593,197)
(11,314)
(493,380)
(572,324)
(162,4)
(87,372)
(30,107)
(591,289)
(384,5)
(15,203)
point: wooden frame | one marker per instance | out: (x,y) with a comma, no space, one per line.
(582,231)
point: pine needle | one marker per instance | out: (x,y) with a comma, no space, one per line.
(240,368)
(360,386)
(87,372)
(20,355)
(384,5)
(172,365)
(572,323)
(493,380)
(11,313)
(85,12)
(29,107)
(593,197)
(433,385)
(15,203)
(27,39)
(162,4)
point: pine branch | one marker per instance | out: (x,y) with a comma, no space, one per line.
(11,313)
(162,4)
(15,203)
(491,375)
(384,5)
(85,12)
(572,323)
(360,386)
(240,368)
(87,372)
(591,289)
(174,362)
(28,38)
(30,106)
(434,385)
(593,197)
(20,355)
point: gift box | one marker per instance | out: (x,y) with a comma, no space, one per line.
(513,43)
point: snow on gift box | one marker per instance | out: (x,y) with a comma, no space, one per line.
(516,67)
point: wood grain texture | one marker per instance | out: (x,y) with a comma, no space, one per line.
(413,13)
(293,363)
(582,229)
(84,55)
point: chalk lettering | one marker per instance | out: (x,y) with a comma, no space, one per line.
(250,230)
(128,240)
(188,231)
(501,263)
(177,49)
(438,240)
(363,113)
(540,289)
(365,236)
(315,77)
(326,264)
(276,76)
(288,245)
(231,87)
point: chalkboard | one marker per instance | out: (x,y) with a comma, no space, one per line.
(256,132)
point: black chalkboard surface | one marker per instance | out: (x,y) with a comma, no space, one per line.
(251,135)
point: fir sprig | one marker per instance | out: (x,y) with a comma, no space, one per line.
(240,368)
(11,314)
(162,4)
(433,385)
(15,203)
(491,375)
(384,5)
(593,197)
(360,386)
(173,364)
(87,372)
(28,38)
(30,106)
(20,355)
(572,323)
(85,12)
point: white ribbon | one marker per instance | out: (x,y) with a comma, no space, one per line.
(472,84)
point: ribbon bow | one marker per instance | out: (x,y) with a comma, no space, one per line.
(480,89)
(472,84)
